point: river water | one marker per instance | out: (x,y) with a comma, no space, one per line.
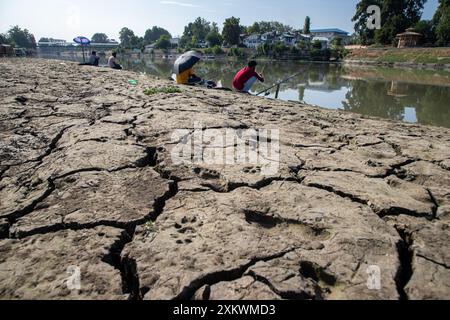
(416,96)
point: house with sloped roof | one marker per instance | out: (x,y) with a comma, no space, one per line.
(252,41)
(331,34)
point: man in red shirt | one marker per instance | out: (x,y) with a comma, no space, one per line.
(246,78)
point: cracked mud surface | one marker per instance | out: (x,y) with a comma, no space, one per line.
(87,180)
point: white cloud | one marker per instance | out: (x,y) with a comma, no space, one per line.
(181,4)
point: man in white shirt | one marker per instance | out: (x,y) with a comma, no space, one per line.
(112,62)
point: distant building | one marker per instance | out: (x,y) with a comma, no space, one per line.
(409,38)
(325,42)
(291,39)
(175,42)
(269,37)
(252,41)
(288,39)
(331,34)
(6,50)
(202,44)
(108,45)
(53,43)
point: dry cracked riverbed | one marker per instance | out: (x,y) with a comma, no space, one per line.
(359,208)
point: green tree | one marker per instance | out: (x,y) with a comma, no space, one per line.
(128,39)
(337,42)
(269,26)
(361,17)
(425,27)
(214,38)
(232,31)
(317,44)
(255,28)
(99,38)
(443,29)
(4,38)
(443,4)
(21,38)
(194,32)
(396,16)
(154,34)
(302,45)
(307,26)
(163,42)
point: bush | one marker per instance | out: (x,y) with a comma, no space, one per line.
(163,43)
(264,49)
(217,50)
(236,52)
(317,44)
(302,45)
(338,53)
(294,50)
(214,50)
(320,55)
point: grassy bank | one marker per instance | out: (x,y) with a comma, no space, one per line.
(407,55)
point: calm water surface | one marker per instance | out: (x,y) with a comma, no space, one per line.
(407,95)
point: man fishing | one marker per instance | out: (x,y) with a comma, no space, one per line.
(246,78)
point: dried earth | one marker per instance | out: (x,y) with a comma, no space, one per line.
(89,181)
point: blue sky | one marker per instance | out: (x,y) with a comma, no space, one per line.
(68,18)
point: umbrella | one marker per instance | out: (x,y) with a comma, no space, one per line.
(83,41)
(186,61)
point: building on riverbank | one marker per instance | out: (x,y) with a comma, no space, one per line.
(53,43)
(331,34)
(6,50)
(253,41)
(289,39)
(408,39)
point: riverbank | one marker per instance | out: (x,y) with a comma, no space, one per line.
(92,181)
(421,58)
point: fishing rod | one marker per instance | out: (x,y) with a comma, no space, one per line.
(279,83)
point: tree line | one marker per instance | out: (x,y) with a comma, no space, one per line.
(397,16)
(205,32)
(18,37)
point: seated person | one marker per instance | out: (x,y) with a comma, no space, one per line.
(112,62)
(93,60)
(188,77)
(246,78)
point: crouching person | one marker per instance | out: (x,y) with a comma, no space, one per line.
(246,78)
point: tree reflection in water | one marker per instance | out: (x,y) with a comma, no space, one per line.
(370,91)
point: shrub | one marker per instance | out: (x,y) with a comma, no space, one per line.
(217,50)
(317,44)
(163,43)
(236,52)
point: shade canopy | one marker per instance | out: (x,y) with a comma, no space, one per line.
(82,40)
(186,61)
